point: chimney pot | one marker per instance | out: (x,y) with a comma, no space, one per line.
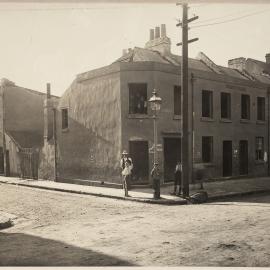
(157,32)
(48,90)
(267,58)
(152,34)
(163,30)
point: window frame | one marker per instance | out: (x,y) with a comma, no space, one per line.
(228,105)
(248,107)
(210,103)
(131,110)
(262,110)
(259,153)
(177,98)
(211,154)
(66,126)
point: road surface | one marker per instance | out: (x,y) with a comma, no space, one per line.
(62,229)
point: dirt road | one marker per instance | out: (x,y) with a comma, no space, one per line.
(60,229)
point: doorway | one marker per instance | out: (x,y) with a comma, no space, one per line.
(139,155)
(243,157)
(227,158)
(172,154)
(1,161)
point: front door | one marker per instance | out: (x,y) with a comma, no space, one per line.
(243,157)
(227,158)
(172,154)
(139,155)
(1,161)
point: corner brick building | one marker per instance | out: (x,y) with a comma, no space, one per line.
(106,110)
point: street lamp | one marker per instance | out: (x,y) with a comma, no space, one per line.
(155,103)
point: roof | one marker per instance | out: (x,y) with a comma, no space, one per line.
(259,70)
(148,55)
(26,139)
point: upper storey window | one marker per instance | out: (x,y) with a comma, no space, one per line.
(137,98)
(207,104)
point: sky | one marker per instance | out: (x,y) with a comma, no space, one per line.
(53,42)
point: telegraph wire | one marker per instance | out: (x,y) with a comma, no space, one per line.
(217,18)
(231,20)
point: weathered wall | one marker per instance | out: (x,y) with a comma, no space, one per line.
(163,78)
(46,168)
(23,109)
(14,159)
(90,147)
(234,130)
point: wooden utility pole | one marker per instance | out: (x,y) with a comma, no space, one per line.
(186,152)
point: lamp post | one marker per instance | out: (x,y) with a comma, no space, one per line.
(155,104)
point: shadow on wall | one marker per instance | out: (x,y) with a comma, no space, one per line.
(85,154)
(18,249)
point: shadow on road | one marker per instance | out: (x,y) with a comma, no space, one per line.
(245,200)
(18,249)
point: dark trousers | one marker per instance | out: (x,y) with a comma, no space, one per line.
(156,187)
(125,179)
(177,181)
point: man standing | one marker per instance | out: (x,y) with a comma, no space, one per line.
(126,166)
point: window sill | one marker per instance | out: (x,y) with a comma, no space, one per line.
(177,117)
(138,116)
(260,122)
(225,120)
(259,162)
(65,130)
(245,121)
(210,164)
(207,119)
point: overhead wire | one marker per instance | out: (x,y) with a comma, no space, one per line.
(231,20)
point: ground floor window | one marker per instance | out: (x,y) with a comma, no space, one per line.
(259,148)
(207,149)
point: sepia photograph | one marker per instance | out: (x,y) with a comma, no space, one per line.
(135,133)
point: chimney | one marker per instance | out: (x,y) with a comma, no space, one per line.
(157,32)
(267,58)
(48,90)
(157,42)
(163,30)
(237,63)
(124,52)
(152,34)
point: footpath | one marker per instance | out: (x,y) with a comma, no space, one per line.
(215,190)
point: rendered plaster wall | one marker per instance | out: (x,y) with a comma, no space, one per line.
(229,130)
(163,78)
(46,168)
(23,109)
(90,147)
(14,159)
